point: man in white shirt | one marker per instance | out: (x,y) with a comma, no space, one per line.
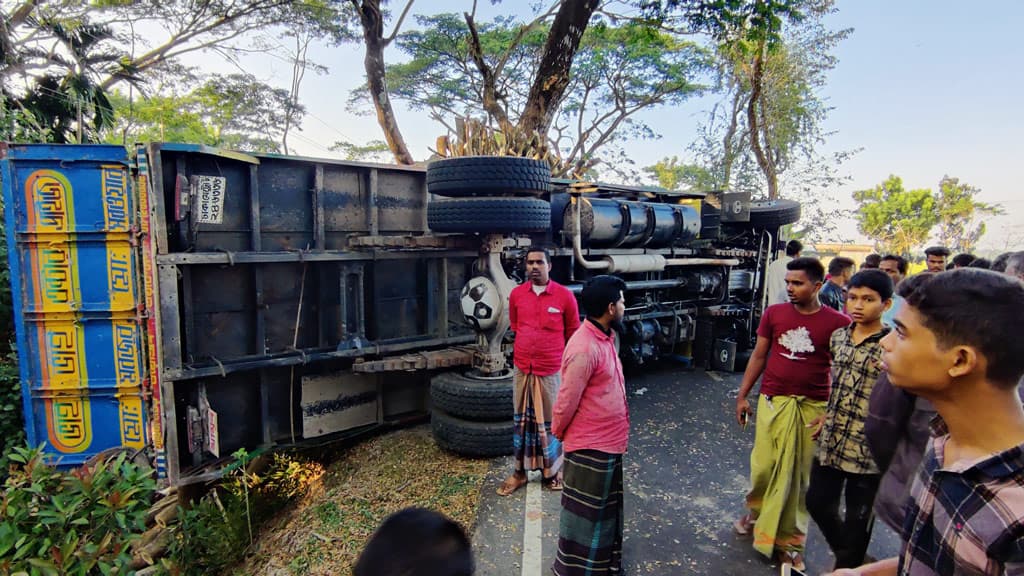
(775,282)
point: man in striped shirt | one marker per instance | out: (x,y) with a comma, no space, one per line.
(954,345)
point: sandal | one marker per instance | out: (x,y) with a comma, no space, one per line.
(511,484)
(744,526)
(555,484)
(790,557)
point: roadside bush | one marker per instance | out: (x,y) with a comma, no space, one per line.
(218,530)
(79,522)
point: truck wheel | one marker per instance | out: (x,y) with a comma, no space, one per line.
(477,439)
(489,215)
(773,213)
(488,176)
(473,398)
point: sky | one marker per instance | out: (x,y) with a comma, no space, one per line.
(922,89)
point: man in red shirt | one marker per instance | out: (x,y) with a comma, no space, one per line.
(792,351)
(543,315)
(591,418)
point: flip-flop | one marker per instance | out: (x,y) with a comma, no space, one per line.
(506,488)
(553,484)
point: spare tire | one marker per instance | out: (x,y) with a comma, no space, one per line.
(489,215)
(471,397)
(476,439)
(488,176)
(773,213)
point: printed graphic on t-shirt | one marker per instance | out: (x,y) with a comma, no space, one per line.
(796,341)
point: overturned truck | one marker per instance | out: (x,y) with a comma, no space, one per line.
(187,301)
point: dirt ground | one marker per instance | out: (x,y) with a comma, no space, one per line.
(325,531)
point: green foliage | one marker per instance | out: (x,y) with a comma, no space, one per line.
(217,531)
(673,175)
(618,71)
(234,111)
(959,228)
(79,522)
(898,220)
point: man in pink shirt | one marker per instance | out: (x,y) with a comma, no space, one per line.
(592,420)
(543,314)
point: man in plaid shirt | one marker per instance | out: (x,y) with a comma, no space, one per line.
(955,345)
(844,462)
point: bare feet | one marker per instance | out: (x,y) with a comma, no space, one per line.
(512,483)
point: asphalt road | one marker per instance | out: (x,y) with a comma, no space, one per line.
(686,474)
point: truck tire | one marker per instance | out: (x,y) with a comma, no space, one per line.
(489,215)
(488,176)
(480,399)
(773,213)
(476,439)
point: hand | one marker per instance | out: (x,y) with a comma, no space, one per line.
(743,411)
(816,426)
(845,572)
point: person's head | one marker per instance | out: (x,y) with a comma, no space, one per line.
(895,266)
(603,300)
(999,263)
(871,261)
(803,279)
(935,258)
(840,269)
(868,295)
(963,260)
(1015,265)
(538,265)
(416,542)
(794,248)
(955,329)
(983,263)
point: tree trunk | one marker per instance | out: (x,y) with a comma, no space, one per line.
(492,102)
(552,77)
(756,94)
(373,35)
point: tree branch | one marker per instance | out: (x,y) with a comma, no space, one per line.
(398,25)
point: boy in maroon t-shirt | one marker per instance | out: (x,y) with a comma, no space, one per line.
(793,353)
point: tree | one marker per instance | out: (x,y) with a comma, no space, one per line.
(673,175)
(958,211)
(233,111)
(371,19)
(459,69)
(59,59)
(897,219)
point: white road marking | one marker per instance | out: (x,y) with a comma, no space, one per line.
(532,533)
(714,376)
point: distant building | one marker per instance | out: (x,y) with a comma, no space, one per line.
(826,252)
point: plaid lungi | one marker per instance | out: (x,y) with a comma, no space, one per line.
(533,445)
(590,528)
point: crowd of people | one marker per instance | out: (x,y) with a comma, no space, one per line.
(890,396)
(881,394)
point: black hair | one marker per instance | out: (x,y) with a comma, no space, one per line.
(794,247)
(901,262)
(977,308)
(937,251)
(811,266)
(416,542)
(1015,263)
(963,260)
(542,249)
(911,284)
(874,279)
(872,261)
(950,266)
(983,263)
(599,292)
(838,264)
(999,264)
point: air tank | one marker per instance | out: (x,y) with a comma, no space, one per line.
(610,223)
